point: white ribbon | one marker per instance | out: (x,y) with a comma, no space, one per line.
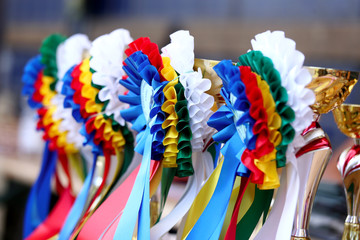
(68,123)
(294,77)
(69,53)
(107,62)
(192,188)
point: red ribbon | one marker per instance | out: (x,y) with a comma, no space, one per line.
(112,207)
(37,85)
(150,49)
(77,86)
(257,111)
(53,223)
(231,231)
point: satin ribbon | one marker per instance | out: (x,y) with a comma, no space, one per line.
(258,208)
(231,232)
(209,224)
(278,225)
(38,203)
(78,207)
(201,200)
(32,80)
(104,221)
(138,200)
(52,224)
(192,187)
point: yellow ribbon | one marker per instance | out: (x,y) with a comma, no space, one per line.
(171,137)
(202,200)
(267,163)
(45,90)
(246,202)
(88,91)
(54,131)
(116,137)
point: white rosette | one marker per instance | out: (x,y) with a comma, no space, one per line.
(294,78)
(181,54)
(107,59)
(68,123)
(69,53)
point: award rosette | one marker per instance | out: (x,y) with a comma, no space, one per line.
(63,140)
(134,192)
(193,108)
(91,93)
(257,126)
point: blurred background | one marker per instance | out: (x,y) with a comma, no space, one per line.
(327,32)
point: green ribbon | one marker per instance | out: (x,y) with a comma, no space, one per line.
(264,67)
(183,160)
(260,205)
(167,178)
(48,56)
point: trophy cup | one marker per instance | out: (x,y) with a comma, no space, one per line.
(347,117)
(331,88)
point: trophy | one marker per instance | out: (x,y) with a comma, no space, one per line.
(347,117)
(331,88)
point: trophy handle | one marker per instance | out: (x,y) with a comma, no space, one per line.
(312,161)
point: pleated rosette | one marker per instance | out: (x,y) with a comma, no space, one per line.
(146,94)
(277,61)
(193,110)
(68,54)
(145,69)
(40,77)
(102,126)
(248,125)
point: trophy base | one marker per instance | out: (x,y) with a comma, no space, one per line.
(300,238)
(351,231)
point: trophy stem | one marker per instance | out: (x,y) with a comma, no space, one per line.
(357,141)
(312,160)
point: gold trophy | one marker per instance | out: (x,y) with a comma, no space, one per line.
(347,117)
(331,88)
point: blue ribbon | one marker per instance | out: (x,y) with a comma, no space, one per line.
(38,203)
(211,220)
(78,206)
(138,201)
(68,92)
(31,71)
